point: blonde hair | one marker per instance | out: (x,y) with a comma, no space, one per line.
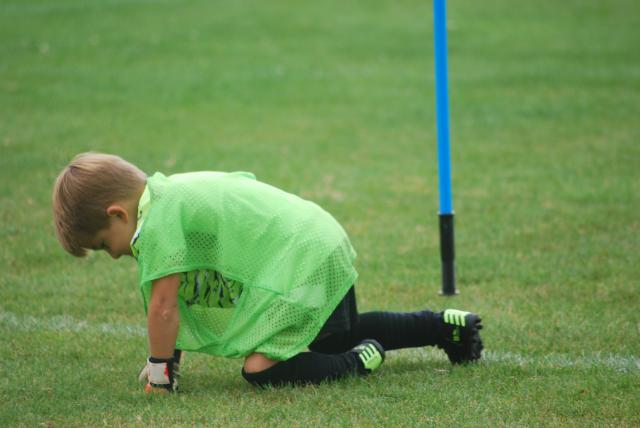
(84,190)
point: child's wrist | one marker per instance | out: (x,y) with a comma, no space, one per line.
(155,360)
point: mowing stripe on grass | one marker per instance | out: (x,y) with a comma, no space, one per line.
(64,323)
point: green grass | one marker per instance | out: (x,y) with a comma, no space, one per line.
(334,101)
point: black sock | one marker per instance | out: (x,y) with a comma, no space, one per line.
(394,330)
(307,368)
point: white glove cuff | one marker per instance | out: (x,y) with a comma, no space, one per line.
(158,373)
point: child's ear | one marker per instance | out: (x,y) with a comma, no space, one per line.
(118,211)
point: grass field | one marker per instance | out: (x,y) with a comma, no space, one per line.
(334,101)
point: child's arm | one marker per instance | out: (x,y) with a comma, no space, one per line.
(162,327)
(163,317)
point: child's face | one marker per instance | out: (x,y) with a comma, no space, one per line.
(116,238)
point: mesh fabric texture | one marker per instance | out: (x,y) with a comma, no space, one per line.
(294,260)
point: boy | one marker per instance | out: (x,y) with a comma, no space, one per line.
(236,268)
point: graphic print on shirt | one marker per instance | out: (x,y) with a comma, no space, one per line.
(209,288)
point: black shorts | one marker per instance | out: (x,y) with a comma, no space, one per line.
(344,317)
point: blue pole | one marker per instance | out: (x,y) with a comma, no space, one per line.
(447,245)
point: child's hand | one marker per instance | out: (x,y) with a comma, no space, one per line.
(160,376)
(177,358)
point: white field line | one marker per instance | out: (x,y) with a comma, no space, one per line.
(601,360)
(64,323)
(622,363)
(617,362)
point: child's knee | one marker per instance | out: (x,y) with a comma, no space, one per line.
(258,370)
(256,362)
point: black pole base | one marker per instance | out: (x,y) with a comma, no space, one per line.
(447,254)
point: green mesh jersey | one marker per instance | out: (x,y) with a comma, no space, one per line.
(261,269)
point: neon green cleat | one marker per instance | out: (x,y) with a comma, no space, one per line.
(460,336)
(371,355)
